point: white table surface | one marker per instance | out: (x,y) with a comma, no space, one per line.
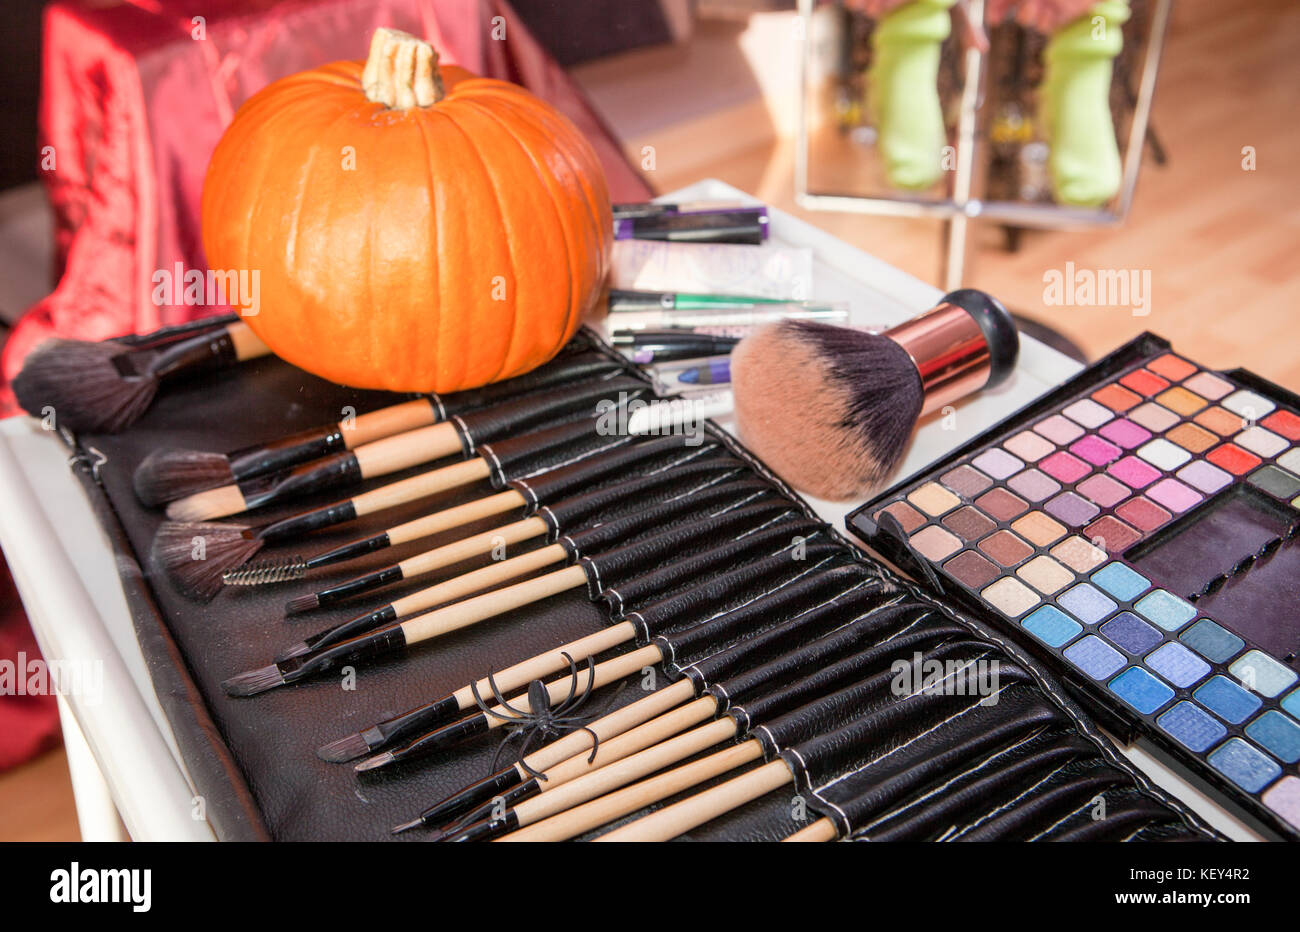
(67,577)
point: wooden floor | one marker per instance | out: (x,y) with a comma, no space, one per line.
(1221,245)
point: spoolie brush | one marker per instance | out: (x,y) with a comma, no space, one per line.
(831,409)
(108,386)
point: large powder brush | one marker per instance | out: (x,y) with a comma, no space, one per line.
(831,409)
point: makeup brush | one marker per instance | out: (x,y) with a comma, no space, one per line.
(197,555)
(398,636)
(166,475)
(107,386)
(402,451)
(831,409)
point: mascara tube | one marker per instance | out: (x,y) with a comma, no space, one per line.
(746,226)
(647,347)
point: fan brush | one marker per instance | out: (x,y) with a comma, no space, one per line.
(108,386)
(831,409)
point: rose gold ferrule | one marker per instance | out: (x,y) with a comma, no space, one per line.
(950,353)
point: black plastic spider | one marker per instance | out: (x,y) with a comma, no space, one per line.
(541,719)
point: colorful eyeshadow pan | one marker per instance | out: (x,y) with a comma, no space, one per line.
(1153,417)
(1111,534)
(968,523)
(1283,797)
(997,463)
(1010,597)
(934,543)
(1094,657)
(1192,438)
(1058,429)
(1087,603)
(1064,467)
(970,569)
(1292,704)
(907,516)
(1133,472)
(1001,504)
(1072,509)
(1131,633)
(1095,450)
(1258,671)
(1260,441)
(1248,404)
(1278,734)
(1038,529)
(1006,548)
(1176,664)
(1141,690)
(1163,454)
(1171,367)
(1144,382)
(1224,423)
(1227,700)
(1174,495)
(1045,575)
(1051,626)
(966,481)
(1143,514)
(1088,413)
(1276,482)
(1165,609)
(1244,765)
(1191,726)
(1125,433)
(1284,423)
(1120,581)
(934,499)
(1290,460)
(1078,554)
(1029,446)
(1201,475)
(1212,641)
(1033,485)
(1103,490)
(1207,385)
(1180,401)
(1116,397)
(1233,458)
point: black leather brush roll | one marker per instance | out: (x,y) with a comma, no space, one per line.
(744,589)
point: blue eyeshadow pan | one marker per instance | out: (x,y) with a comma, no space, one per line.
(1087,603)
(1120,581)
(1191,726)
(1292,703)
(1177,664)
(1094,657)
(1277,733)
(1141,690)
(1131,633)
(1051,626)
(1244,765)
(1212,641)
(1165,609)
(1262,673)
(1227,700)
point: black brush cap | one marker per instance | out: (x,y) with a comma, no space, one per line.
(998,327)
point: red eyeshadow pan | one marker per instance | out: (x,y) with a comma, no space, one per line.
(1115,397)
(1142,514)
(1171,367)
(1144,382)
(1234,459)
(1284,423)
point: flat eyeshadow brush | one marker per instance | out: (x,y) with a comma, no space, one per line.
(227,546)
(549,524)
(107,386)
(587,573)
(424,718)
(538,484)
(459,436)
(166,475)
(571,547)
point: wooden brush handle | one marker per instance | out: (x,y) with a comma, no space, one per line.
(386,422)
(477,580)
(473,546)
(610,726)
(489,605)
(611,671)
(606,809)
(245,343)
(521,674)
(393,454)
(626,759)
(821,830)
(681,817)
(458,516)
(421,486)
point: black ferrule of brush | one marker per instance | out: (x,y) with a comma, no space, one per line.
(998,327)
(284,453)
(414,723)
(352,627)
(365,647)
(358,584)
(340,469)
(203,353)
(313,520)
(472,798)
(471,726)
(488,829)
(347,551)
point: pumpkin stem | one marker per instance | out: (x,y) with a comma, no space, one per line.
(401,71)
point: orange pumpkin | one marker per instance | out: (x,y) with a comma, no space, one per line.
(413,228)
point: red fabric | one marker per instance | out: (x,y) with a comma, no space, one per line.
(28,724)
(132,105)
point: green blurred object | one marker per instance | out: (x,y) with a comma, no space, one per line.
(903,93)
(1084,160)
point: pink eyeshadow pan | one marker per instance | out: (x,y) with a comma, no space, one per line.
(1125,433)
(1111,535)
(1029,446)
(1133,472)
(1095,450)
(1033,485)
(1103,490)
(1208,386)
(1064,467)
(1204,476)
(1174,495)
(1059,429)
(1142,514)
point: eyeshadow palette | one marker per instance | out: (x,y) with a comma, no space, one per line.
(1137,527)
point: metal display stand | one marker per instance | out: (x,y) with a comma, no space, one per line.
(964,205)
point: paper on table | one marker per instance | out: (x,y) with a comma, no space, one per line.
(767,271)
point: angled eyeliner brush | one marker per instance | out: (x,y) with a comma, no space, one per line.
(401,635)
(459,436)
(227,546)
(549,523)
(108,386)
(166,475)
(574,545)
